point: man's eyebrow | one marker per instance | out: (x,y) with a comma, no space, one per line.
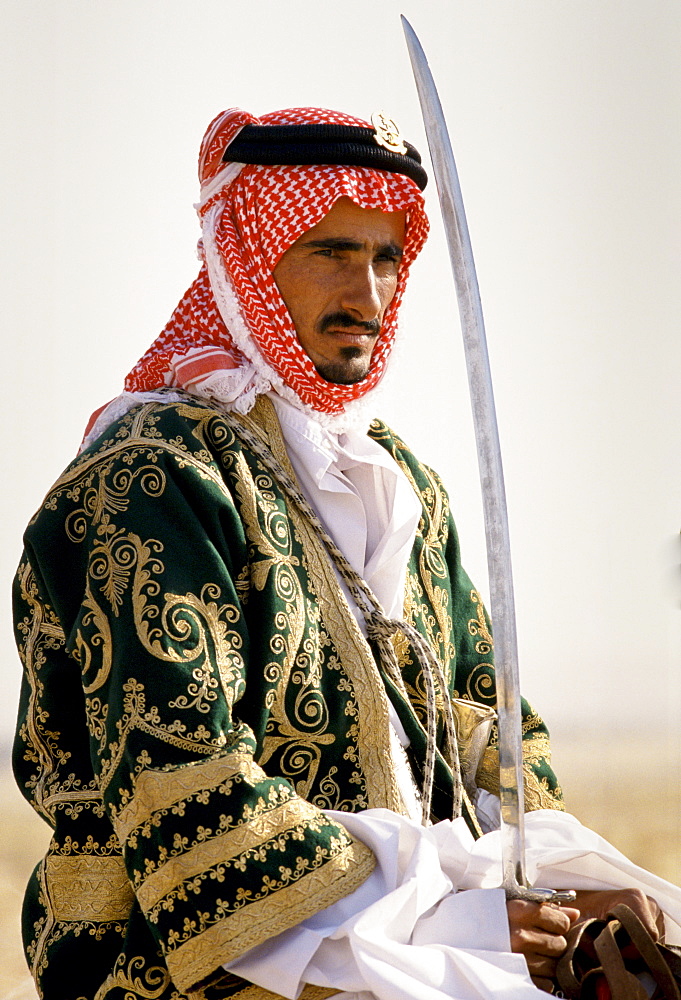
(342,243)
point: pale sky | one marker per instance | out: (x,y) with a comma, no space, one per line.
(564,117)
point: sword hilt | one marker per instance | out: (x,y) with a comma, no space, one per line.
(556,897)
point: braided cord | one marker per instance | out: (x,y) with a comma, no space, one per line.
(380,628)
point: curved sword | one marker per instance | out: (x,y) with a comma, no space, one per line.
(492,481)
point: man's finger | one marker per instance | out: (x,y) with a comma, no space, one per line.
(538,944)
(541,965)
(557,919)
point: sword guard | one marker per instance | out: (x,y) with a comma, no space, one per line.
(554,897)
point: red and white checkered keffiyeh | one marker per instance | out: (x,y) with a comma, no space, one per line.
(231,336)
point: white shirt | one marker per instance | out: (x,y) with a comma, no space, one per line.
(362,498)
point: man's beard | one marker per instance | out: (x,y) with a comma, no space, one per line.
(340,373)
(344,372)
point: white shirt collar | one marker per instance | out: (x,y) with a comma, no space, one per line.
(361,496)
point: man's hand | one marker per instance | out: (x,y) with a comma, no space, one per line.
(538,932)
(597,903)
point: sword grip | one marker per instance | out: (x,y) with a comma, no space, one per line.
(555,897)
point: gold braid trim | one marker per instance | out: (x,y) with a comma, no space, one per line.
(258,830)
(160,789)
(258,993)
(258,921)
(210,990)
(87,887)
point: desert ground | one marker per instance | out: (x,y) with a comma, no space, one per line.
(625,787)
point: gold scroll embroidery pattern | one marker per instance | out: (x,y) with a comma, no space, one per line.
(297,727)
(479,685)
(432,566)
(373,783)
(145,983)
(190,629)
(40,631)
(40,635)
(478,626)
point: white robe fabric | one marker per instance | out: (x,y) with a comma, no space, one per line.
(411,932)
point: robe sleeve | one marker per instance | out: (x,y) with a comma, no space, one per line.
(475,679)
(140,556)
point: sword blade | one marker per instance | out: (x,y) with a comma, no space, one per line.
(502,603)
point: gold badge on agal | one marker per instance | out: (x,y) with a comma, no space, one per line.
(387,132)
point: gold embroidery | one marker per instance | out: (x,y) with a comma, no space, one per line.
(40,631)
(416,691)
(251,504)
(109,496)
(431,564)
(155,982)
(257,921)
(302,734)
(102,638)
(478,626)
(538,795)
(432,615)
(480,684)
(79,476)
(88,887)
(38,959)
(182,616)
(136,715)
(259,993)
(156,790)
(197,624)
(373,728)
(260,828)
(211,988)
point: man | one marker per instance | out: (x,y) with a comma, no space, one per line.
(229,714)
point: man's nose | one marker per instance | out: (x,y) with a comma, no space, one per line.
(360,294)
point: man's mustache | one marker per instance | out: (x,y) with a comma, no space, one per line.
(344,319)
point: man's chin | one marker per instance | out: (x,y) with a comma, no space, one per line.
(341,373)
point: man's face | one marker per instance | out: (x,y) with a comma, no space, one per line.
(337,281)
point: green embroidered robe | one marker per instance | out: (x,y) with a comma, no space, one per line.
(196,692)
